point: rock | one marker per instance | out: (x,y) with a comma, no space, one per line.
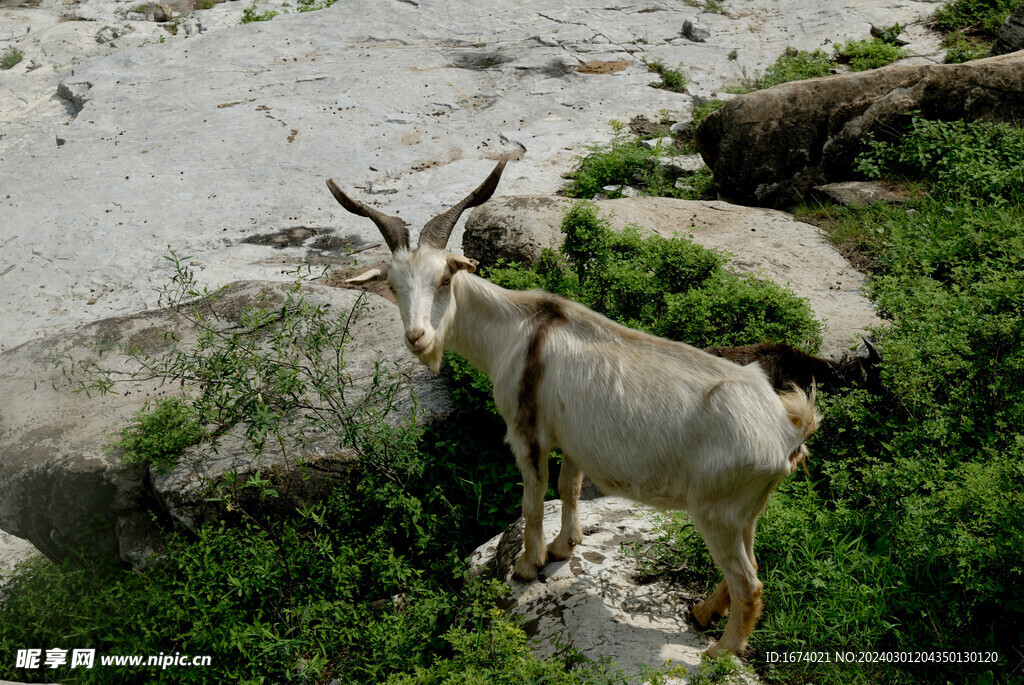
(859,193)
(61,487)
(161,13)
(764,242)
(658,143)
(682,128)
(592,602)
(771,147)
(698,33)
(683,164)
(419,100)
(1011,35)
(108,34)
(13,551)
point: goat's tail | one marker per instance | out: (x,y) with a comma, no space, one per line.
(804,416)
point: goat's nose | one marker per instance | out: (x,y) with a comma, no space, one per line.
(415,335)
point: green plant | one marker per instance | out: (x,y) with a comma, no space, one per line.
(251,14)
(791,65)
(961,49)
(11,58)
(671,79)
(158,434)
(706,107)
(985,17)
(671,287)
(862,55)
(625,161)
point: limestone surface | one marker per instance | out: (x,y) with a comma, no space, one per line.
(120,139)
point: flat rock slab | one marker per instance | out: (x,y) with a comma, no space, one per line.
(763,242)
(591,601)
(13,551)
(213,137)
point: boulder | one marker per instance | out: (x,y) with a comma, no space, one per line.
(1011,36)
(62,487)
(771,147)
(765,242)
(859,193)
(593,601)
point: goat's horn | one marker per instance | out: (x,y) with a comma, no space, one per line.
(394,230)
(438,229)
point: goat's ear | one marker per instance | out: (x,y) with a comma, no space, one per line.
(368,277)
(457,262)
(867,351)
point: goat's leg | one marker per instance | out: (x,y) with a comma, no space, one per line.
(715,605)
(726,543)
(533,464)
(570,480)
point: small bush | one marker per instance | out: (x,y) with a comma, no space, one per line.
(251,14)
(625,161)
(671,79)
(670,287)
(862,55)
(11,58)
(985,17)
(158,435)
(960,49)
(792,65)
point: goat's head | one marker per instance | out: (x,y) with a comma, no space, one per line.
(421,278)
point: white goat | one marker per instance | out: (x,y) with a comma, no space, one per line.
(654,420)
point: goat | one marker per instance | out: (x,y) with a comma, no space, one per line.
(647,418)
(786,365)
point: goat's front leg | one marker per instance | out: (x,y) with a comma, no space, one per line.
(570,480)
(533,464)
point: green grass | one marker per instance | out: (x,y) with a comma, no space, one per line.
(862,55)
(960,48)
(251,14)
(157,435)
(625,161)
(792,65)
(983,17)
(11,58)
(670,79)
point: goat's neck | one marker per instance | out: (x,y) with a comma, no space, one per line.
(487,324)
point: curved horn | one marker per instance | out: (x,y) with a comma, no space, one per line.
(438,229)
(394,230)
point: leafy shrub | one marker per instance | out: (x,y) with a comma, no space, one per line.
(791,65)
(983,16)
(960,49)
(157,435)
(975,162)
(625,161)
(862,55)
(11,58)
(251,14)
(671,79)
(670,287)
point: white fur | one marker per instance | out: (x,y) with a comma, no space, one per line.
(657,421)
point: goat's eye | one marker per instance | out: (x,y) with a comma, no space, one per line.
(446,280)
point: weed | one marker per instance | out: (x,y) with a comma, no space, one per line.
(158,434)
(706,107)
(960,48)
(251,14)
(984,17)
(792,65)
(11,58)
(671,79)
(862,55)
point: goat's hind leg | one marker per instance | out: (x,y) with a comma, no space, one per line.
(570,480)
(714,606)
(729,550)
(533,464)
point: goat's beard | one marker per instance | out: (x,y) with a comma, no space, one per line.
(432,357)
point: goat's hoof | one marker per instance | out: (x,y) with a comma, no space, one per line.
(718,650)
(560,551)
(523,570)
(700,619)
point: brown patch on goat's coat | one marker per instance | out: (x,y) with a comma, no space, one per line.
(548,314)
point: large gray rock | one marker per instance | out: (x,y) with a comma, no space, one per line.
(62,487)
(764,242)
(771,147)
(202,141)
